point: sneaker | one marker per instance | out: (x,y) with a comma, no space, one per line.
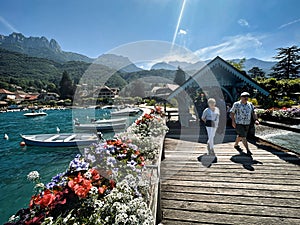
(249,153)
(238,148)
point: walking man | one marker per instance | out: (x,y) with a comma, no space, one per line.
(241,114)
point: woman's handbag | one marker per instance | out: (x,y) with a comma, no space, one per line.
(209,123)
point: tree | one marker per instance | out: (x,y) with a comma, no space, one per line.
(51,87)
(288,64)
(179,76)
(66,87)
(256,72)
(238,65)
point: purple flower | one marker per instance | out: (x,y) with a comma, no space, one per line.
(78,164)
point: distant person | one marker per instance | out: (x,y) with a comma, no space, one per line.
(201,104)
(241,113)
(210,118)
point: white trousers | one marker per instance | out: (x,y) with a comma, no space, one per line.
(211,131)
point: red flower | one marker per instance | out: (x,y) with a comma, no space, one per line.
(80,186)
(137,152)
(102,189)
(35,220)
(44,200)
(158,109)
(112,184)
(138,122)
(95,175)
(49,199)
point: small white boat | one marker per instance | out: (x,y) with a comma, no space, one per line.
(60,140)
(110,121)
(128,111)
(101,127)
(110,107)
(34,114)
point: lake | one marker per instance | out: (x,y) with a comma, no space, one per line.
(16,162)
(285,138)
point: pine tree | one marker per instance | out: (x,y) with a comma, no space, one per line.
(256,72)
(66,87)
(288,64)
(179,76)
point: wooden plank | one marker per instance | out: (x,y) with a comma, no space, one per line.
(231,191)
(223,173)
(173,215)
(233,199)
(233,184)
(209,178)
(231,208)
(197,164)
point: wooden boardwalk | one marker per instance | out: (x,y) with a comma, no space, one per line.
(235,190)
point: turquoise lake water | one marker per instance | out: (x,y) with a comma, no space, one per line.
(16,162)
(280,137)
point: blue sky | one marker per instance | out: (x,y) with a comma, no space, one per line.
(228,28)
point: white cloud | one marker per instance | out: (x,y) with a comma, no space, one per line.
(182,32)
(289,23)
(238,46)
(243,23)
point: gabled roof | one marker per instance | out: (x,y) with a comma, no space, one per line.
(218,61)
(3,91)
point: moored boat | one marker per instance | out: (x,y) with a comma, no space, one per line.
(101,127)
(60,140)
(128,111)
(110,121)
(34,114)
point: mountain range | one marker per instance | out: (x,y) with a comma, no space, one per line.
(41,47)
(38,62)
(266,66)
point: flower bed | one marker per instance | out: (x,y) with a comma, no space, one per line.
(283,115)
(113,182)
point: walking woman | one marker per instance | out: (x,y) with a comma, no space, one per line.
(210,117)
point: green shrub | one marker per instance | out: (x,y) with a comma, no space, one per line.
(152,102)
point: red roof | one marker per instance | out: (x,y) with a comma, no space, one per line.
(31,97)
(3,91)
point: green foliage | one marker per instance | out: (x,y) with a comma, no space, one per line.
(253,101)
(66,87)
(288,64)
(285,87)
(238,65)
(151,102)
(285,102)
(179,76)
(40,73)
(256,72)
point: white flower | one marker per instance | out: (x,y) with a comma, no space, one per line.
(88,175)
(94,191)
(13,218)
(121,218)
(33,176)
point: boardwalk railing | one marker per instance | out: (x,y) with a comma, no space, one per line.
(154,178)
